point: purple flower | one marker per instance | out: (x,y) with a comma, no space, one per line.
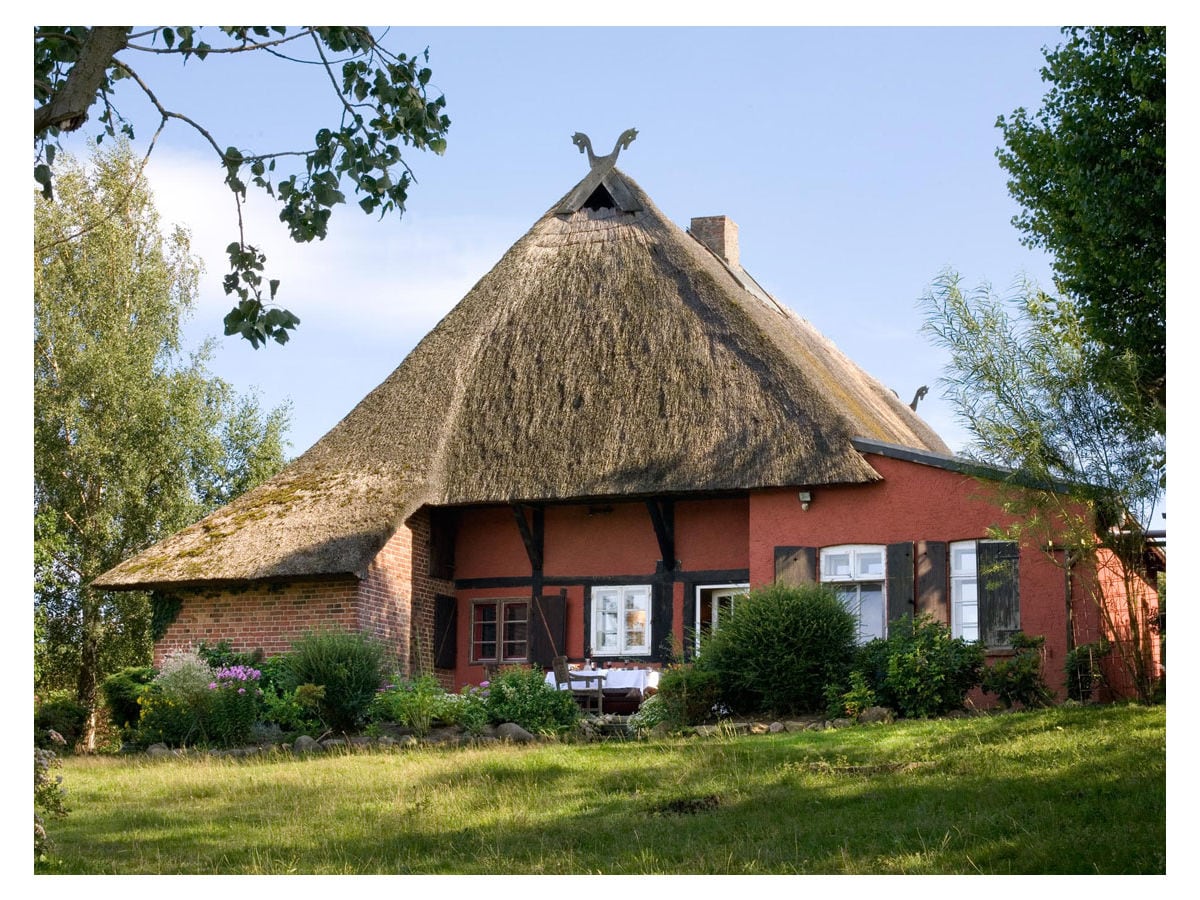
(241,690)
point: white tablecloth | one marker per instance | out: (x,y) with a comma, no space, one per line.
(616,679)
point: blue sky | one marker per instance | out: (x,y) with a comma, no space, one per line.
(857,162)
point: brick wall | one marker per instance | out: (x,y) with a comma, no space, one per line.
(266,616)
(423,588)
(394,602)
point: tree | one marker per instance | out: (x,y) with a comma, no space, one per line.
(132,439)
(381,102)
(1089,170)
(1085,479)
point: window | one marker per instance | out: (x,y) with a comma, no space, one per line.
(621,620)
(714,603)
(964,591)
(857,573)
(985,596)
(500,631)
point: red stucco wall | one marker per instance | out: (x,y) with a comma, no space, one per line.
(595,541)
(916,502)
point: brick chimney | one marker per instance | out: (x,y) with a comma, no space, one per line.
(719,234)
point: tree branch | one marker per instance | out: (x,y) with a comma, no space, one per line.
(69,106)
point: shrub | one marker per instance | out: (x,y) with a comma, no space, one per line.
(175,707)
(169,720)
(285,709)
(235,701)
(348,665)
(185,676)
(649,716)
(121,691)
(413,703)
(62,713)
(48,795)
(520,695)
(850,703)
(779,648)
(1084,672)
(686,695)
(1018,679)
(467,709)
(920,670)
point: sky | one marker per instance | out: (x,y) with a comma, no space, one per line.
(858,163)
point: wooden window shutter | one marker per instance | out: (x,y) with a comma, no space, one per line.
(547,628)
(900,581)
(999,596)
(795,565)
(443,527)
(445,632)
(662,612)
(932,595)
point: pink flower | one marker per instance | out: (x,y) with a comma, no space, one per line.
(241,690)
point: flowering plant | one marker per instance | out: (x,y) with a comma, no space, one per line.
(236,701)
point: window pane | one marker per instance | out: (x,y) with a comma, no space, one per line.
(870,612)
(966,609)
(870,564)
(516,617)
(836,565)
(483,631)
(962,558)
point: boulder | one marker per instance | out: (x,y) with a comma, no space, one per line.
(305,744)
(776,727)
(158,750)
(510,731)
(876,714)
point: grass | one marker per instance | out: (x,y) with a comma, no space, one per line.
(1077,790)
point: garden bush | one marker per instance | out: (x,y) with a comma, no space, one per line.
(467,709)
(780,648)
(1083,669)
(919,669)
(348,665)
(294,711)
(414,704)
(62,713)
(48,794)
(851,703)
(121,691)
(175,708)
(686,695)
(520,695)
(1018,679)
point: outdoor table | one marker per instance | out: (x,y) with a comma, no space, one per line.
(618,680)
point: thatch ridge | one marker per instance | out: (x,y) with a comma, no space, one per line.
(606,354)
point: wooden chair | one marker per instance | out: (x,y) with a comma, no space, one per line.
(590,698)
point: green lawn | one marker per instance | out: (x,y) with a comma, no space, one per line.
(1058,791)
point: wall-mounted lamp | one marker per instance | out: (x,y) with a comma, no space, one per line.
(805,499)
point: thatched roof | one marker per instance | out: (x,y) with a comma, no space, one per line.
(608,353)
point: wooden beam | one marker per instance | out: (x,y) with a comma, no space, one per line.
(662,517)
(532,536)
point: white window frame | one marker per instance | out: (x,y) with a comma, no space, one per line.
(964,590)
(857,555)
(717,590)
(641,595)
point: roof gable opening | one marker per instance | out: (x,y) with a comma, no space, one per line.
(600,198)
